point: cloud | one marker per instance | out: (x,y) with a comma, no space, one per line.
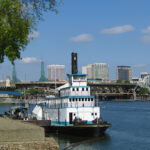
(82,38)
(34,34)
(118,29)
(140,65)
(146,39)
(147,30)
(28,60)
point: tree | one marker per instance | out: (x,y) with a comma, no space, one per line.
(127,82)
(143,91)
(18,18)
(31,92)
(119,81)
(37,7)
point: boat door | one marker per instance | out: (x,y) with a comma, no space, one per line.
(70,118)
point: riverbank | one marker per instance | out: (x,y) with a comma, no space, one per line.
(47,144)
(19,135)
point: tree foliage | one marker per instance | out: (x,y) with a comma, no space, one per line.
(18,18)
(14,29)
(37,7)
(32,91)
(143,91)
(123,81)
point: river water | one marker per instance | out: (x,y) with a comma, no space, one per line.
(130,128)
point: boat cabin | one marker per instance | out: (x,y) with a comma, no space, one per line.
(74,101)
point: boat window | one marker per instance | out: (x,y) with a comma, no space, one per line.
(82,99)
(92,114)
(77,89)
(86,89)
(70,99)
(74,114)
(73,89)
(82,89)
(88,99)
(73,99)
(92,99)
(95,114)
(76,99)
(85,99)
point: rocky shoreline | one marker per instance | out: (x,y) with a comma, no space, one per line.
(47,144)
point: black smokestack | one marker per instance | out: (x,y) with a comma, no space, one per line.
(74,63)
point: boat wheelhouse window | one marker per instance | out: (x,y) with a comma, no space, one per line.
(82,89)
(86,89)
(75,77)
(82,99)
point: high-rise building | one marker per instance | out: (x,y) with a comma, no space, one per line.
(56,72)
(96,71)
(124,73)
(144,74)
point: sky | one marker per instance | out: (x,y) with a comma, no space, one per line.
(116,32)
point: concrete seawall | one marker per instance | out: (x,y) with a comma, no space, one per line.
(15,134)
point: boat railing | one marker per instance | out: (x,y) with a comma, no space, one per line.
(94,103)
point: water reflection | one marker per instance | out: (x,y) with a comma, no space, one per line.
(67,142)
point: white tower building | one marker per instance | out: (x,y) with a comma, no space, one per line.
(56,72)
(97,71)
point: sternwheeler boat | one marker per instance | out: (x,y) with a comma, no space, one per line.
(74,111)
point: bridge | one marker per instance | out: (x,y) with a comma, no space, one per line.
(105,90)
(50,84)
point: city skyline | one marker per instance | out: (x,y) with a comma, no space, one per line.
(38,74)
(114,32)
